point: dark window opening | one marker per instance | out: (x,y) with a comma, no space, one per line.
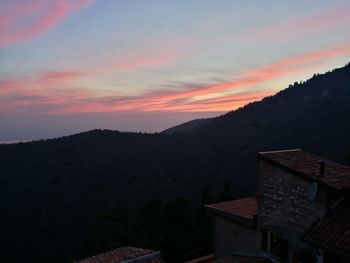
(279,247)
(275,245)
(264,241)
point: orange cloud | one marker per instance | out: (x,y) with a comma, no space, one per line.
(226,103)
(25,20)
(225,96)
(255,77)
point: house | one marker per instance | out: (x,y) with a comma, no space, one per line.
(299,214)
(237,217)
(236,238)
(126,255)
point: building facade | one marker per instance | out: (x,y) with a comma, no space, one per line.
(296,191)
(234,226)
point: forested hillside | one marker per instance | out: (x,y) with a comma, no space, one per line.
(71,197)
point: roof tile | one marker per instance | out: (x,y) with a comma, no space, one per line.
(125,254)
(336,175)
(245,207)
(332,233)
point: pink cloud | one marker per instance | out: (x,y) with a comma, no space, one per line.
(255,77)
(52,88)
(22,21)
(60,77)
(63,101)
(55,78)
(305,26)
(165,102)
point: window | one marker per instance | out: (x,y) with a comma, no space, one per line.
(264,241)
(274,245)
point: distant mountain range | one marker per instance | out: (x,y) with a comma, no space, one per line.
(52,191)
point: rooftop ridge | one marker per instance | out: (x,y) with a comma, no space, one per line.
(281,151)
(142,258)
(307,166)
(236,213)
(124,255)
(233,209)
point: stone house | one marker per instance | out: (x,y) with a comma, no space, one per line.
(301,212)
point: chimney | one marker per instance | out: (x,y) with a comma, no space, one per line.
(322,167)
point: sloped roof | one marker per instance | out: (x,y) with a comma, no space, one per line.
(306,165)
(231,259)
(126,255)
(332,233)
(243,210)
(245,207)
(242,259)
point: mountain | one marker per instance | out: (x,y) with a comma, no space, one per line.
(313,115)
(74,196)
(184,127)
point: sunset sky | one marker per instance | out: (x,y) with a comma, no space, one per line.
(68,66)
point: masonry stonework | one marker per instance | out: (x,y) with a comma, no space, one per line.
(284,204)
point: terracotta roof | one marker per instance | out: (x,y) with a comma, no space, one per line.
(230,259)
(243,259)
(125,254)
(245,207)
(302,163)
(332,233)
(204,259)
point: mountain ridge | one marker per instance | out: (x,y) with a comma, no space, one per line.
(186,126)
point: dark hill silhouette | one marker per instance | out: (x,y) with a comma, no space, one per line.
(187,126)
(54,191)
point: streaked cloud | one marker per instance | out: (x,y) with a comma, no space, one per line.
(189,98)
(54,87)
(47,80)
(250,79)
(22,21)
(304,26)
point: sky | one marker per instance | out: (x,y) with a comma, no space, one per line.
(68,66)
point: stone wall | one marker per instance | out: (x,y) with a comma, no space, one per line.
(284,205)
